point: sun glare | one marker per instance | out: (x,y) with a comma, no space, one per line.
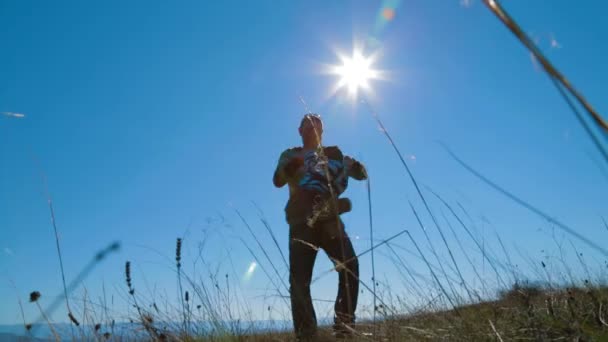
(355,73)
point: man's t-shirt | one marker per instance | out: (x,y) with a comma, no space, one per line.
(319,172)
(312,175)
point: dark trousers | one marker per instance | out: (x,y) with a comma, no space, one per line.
(304,243)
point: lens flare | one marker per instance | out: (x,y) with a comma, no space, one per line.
(14,115)
(249,273)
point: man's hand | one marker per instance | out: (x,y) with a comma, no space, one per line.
(354,168)
(348,162)
(286,168)
(292,166)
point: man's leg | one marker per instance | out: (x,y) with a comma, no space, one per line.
(302,253)
(339,248)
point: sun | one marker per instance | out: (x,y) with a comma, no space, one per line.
(355,72)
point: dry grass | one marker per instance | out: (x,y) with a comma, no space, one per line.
(447,306)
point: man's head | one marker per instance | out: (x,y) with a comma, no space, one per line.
(311,129)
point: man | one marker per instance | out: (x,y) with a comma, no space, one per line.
(316,176)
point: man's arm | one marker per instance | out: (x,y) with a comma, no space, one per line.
(354,168)
(289,162)
(279,179)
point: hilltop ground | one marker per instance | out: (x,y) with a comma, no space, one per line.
(522,313)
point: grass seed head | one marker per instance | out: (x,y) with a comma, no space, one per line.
(34,296)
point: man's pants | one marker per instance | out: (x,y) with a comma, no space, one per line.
(304,243)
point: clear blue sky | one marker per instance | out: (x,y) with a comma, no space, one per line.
(150,119)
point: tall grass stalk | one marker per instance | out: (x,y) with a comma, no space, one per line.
(463,251)
(407,277)
(341,264)
(420,195)
(434,251)
(468,231)
(178,264)
(445,293)
(34,298)
(262,248)
(371,234)
(269,229)
(526,205)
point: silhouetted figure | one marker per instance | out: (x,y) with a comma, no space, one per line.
(316,176)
